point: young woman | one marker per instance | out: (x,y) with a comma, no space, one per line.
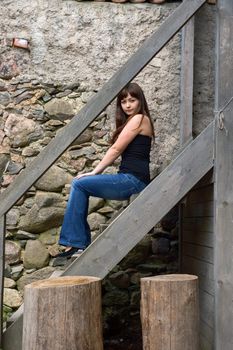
(132,140)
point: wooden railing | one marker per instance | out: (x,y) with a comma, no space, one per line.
(87,115)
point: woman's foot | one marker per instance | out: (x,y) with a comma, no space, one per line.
(71,252)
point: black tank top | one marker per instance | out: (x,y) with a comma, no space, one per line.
(136,158)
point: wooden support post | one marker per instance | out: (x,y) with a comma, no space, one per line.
(187,70)
(63,313)
(223,257)
(170,312)
(2,267)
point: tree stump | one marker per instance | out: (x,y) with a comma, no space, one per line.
(64,314)
(170,312)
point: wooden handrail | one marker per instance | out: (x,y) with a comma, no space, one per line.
(98,103)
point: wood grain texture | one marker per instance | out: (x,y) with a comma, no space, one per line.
(170,312)
(63,313)
(187,71)
(98,103)
(2,268)
(224,180)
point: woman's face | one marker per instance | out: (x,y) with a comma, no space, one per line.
(130,105)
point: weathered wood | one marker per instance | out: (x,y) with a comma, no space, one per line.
(208,179)
(207,331)
(202,268)
(128,229)
(2,266)
(203,209)
(186,94)
(170,312)
(196,237)
(199,252)
(63,313)
(224,179)
(199,224)
(207,307)
(98,103)
(202,194)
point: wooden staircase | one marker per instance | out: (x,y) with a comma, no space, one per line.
(163,193)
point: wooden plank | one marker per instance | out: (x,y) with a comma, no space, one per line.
(201,268)
(207,332)
(196,237)
(98,103)
(206,180)
(203,194)
(186,93)
(203,209)
(2,267)
(160,196)
(206,308)
(198,251)
(198,224)
(224,179)
(205,344)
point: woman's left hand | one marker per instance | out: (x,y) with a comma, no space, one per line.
(85,174)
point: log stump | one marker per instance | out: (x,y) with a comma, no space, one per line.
(64,314)
(170,312)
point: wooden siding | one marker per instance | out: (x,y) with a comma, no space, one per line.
(197,227)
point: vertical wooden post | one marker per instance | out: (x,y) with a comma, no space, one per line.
(187,68)
(223,260)
(169,312)
(186,105)
(63,313)
(2,266)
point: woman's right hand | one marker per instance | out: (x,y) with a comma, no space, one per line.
(91,173)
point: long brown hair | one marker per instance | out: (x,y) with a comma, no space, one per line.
(134,90)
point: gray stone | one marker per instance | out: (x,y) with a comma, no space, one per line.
(9,283)
(86,136)
(5,98)
(138,254)
(12,217)
(41,274)
(19,130)
(24,235)
(120,279)
(14,168)
(61,109)
(46,213)
(48,237)
(7,271)
(16,271)
(95,204)
(36,255)
(12,298)
(85,151)
(53,180)
(4,159)
(12,252)
(94,220)
(160,245)
(116,297)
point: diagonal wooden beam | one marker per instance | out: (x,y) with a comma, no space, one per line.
(98,103)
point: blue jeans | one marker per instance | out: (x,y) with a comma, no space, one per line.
(75,230)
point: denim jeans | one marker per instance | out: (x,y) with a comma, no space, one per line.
(75,230)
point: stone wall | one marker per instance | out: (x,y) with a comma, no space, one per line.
(74,48)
